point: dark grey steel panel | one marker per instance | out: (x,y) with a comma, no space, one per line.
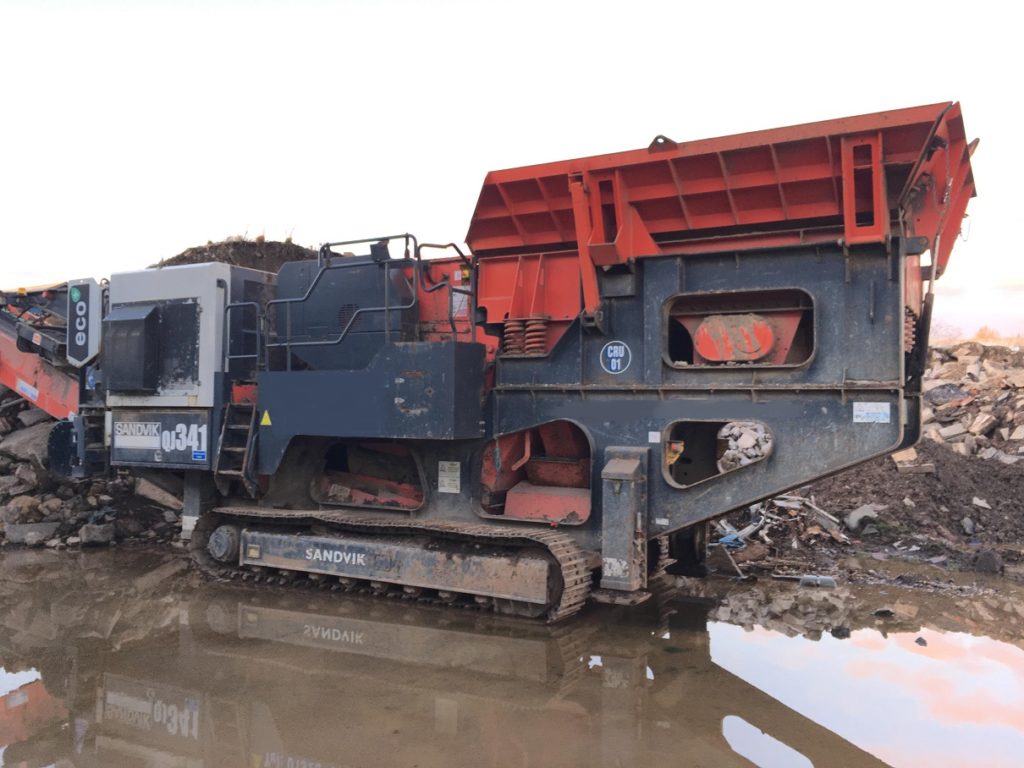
(414,390)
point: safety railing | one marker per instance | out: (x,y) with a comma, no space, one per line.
(378,250)
(453,290)
(271,336)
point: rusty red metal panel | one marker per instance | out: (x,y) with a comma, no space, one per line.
(777,187)
(555,505)
(27,374)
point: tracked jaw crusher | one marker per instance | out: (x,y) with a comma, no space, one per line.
(635,344)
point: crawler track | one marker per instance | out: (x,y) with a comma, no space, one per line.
(571,560)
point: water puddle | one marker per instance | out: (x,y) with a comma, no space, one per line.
(126,658)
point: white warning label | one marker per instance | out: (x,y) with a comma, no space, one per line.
(449,477)
(871,413)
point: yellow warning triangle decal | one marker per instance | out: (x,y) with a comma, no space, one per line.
(265,421)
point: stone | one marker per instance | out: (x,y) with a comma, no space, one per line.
(968,525)
(952,430)
(905,456)
(927,415)
(73,541)
(33,416)
(27,474)
(170,517)
(1006,458)
(153,492)
(746,440)
(861,513)
(988,453)
(980,502)
(1018,433)
(31,534)
(28,444)
(982,424)
(102,533)
(988,561)
(51,506)
(20,509)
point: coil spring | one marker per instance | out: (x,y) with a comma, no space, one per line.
(536,336)
(514,341)
(909,329)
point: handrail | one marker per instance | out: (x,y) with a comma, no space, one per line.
(324,265)
(227,336)
(445,283)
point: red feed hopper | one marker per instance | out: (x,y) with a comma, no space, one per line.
(854,180)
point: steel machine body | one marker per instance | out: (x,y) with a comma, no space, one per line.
(633,345)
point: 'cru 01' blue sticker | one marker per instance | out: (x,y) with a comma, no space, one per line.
(615,357)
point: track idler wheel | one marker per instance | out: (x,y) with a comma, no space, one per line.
(224,543)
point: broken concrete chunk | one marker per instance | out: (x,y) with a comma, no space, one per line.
(1018,433)
(861,513)
(153,492)
(31,534)
(28,444)
(33,416)
(982,424)
(952,430)
(102,533)
(968,525)
(905,456)
(21,509)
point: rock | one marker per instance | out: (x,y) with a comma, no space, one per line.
(1018,433)
(33,416)
(153,492)
(28,444)
(861,513)
(982,424)
(51,506)
(31,534)
(20,509)
(170,517)
(952,430)
(27,474)
(53,543)
(746,440)
(1006,458)
(968,525)
(988,453)
(921,641)
(905,456)
(945,393)
(979,502)
(102,533)
(73,541)
(988,561)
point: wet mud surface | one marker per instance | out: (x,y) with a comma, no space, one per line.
(126,657)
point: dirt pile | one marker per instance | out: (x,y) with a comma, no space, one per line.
(267,255)
(956,499)
(38,508)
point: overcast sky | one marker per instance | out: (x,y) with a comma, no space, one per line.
(130,131)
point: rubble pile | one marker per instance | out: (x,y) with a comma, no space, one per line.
(40,509)
(745,443)
(955,499)
(974,401)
